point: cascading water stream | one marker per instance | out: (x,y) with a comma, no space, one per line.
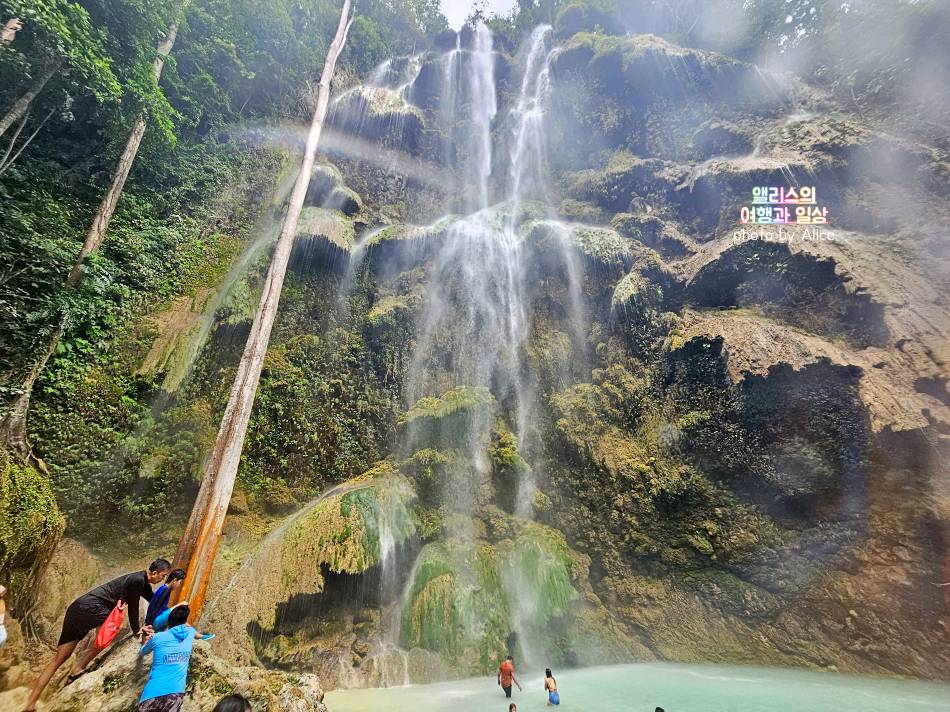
(472,327)
(484,103)
(528,166)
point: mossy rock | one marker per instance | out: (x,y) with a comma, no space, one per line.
(328,190)
(340,532)
(429,469)
(325,237)
(636,297)
(599,247)
(509,469)
(625,177)
(448,419)
(466,599)
(399,248)
(645,69)
(393,308)
(30,525)
(538,563)
(720,138)
(381,114)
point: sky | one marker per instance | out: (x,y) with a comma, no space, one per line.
(457,10)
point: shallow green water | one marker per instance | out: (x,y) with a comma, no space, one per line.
(676,688)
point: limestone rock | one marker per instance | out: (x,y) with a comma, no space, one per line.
(902,351)
(116,683)
(71,571)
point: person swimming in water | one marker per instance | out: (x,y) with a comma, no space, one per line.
(550,686)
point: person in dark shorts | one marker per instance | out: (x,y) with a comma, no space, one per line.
(89,611)
(232,703)
(506,675)
(171,652)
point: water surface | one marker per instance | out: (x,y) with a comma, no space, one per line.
(676,688)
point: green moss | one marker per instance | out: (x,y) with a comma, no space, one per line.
(536,566)
(456,606)
(392,308)
(328,224)
(30,523)
(343,531)
(448,419)
(509,469)
(463,596)
(428,522)
(429,469)
(600,247)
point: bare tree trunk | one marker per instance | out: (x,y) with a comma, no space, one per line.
(23,103)
(13,425)
(199,543)
(16,135)
(103,216)
(5,163)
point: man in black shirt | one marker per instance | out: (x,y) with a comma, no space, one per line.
(90,611)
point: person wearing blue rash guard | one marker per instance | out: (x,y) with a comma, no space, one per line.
(171,652)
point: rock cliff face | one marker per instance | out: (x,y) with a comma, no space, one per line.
(697,440)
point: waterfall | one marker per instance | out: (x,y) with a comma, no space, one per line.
(528,167)
(472,325)
(484,106)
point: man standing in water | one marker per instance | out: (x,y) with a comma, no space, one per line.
(506,675)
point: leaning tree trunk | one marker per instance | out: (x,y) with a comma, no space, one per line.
(199,543)
(20,106)
(13,425)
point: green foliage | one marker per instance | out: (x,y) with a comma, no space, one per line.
(320,415)
(111,456)
(388,28)
(588,16)
(60,32)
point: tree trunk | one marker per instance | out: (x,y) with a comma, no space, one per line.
(103,216)
(23,103)
(8,160)
(13,425)
(199,543)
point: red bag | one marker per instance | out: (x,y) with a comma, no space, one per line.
(110,627)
